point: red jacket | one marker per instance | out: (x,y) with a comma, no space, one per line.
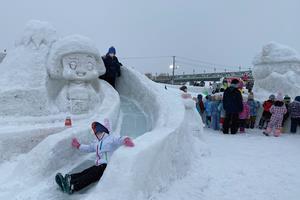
(267,105)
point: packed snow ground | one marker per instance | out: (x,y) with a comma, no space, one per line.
(247,166)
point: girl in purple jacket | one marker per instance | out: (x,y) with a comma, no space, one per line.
(277,110)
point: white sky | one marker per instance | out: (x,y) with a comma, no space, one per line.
(227,32)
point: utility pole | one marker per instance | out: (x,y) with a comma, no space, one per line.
(173,70)
(240,68)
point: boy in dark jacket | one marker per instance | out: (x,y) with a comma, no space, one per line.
(286,101)
(112,65)
(233,105)
(266,115)
(294,109)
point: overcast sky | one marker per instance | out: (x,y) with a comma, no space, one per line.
(227,32)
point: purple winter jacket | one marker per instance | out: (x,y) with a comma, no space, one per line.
(294,109)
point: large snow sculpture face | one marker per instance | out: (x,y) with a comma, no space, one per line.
(277,68)
(79,67)
(74,65)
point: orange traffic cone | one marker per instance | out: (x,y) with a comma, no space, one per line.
(68,122)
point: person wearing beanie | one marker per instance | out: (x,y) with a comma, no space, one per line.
(112,65)
(286,101)
(104,146)
(277,110)
(244,116)
(207,106)
(253,106)
(215,113)
(266,115)
(200,106)
(233,105)
(294,109)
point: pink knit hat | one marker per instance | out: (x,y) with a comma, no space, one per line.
(279,97)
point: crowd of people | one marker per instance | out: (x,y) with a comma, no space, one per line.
(232,111)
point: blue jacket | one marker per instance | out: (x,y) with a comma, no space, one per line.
(253,105)
(214,108)
(232,100)
(207,106)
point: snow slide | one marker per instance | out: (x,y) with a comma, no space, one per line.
(155,162)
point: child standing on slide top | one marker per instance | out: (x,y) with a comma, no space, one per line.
(105,145)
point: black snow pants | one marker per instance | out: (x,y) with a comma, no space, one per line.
(86,177)
(231,122)
(294,123)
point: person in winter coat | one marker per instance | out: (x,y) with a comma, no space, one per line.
(294,109)
(207,106)
(254,106)
(200,106)
(277,110)
(112,65)
(215,113)
(222,113)
(244,115)
(233,105)
(266,115)
(286,101)
(104,146)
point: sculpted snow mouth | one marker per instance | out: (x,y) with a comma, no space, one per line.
(80,74)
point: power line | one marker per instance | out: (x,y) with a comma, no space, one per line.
(145,57)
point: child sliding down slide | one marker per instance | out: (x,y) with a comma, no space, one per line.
(104,146)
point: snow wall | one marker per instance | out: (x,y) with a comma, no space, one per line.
(276,68)
(161,155)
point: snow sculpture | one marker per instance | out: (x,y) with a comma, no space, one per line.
(276,68)
(23,72)
(74,65)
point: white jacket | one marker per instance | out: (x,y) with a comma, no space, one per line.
(104,148)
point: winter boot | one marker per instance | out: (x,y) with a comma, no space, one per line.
(277,132)
(67,184)
(59,180)
(268,131)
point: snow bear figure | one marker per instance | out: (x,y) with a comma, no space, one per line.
(74,65)
(276,68)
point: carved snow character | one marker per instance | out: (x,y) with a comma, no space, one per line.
(74,65)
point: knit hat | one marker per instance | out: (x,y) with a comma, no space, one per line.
(287,99)
(235,81)
(199,97)
(272,97)
(112,50)
(279,97)
(97,127)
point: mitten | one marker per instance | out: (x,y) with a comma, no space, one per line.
(75,143)
(128,142)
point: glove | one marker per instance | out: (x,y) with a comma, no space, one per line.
(75,143)
(128,142)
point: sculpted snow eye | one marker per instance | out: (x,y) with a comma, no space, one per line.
(73,65)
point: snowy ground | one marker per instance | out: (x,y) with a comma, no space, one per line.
(244,166)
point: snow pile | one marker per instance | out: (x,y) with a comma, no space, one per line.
(23,72)
(276,68)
